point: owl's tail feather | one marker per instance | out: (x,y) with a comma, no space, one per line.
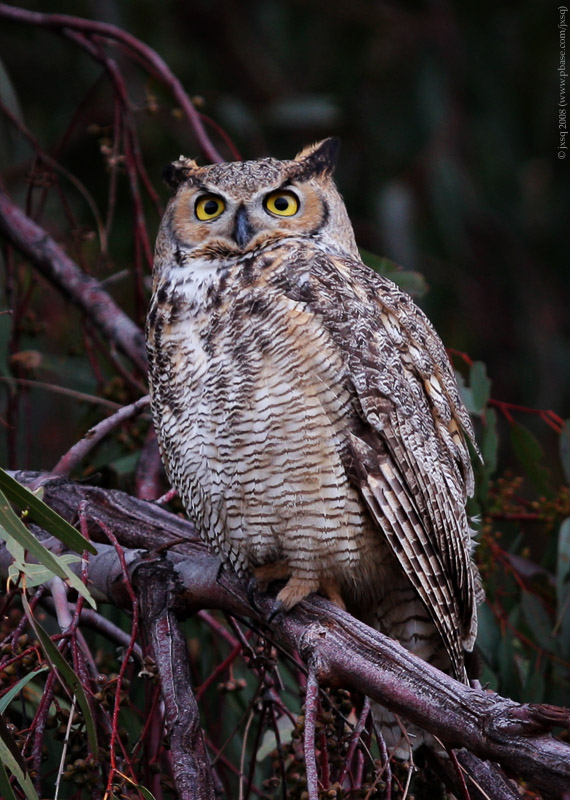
(401,615)
(400,737)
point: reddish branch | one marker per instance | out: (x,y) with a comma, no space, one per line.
(148,485)
(311,704)
(549,417)
(132,159)
(344,652)
(86,292)
(155,584)
(95,434)
(102,31)
(97,622)
(52,387)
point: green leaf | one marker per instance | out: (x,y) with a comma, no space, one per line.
(529,452)
(490,441)
(563,589)
(465,392)
(36,574)
(508,674)
(538,621)
(408,280)
(43,515)
(269,742)
(19,539)
(563,561)
(146,793)
(480,386)
(5,786)
(125,465)
(534,685)
(489,635)
(67,674)
(8,94)
(9,760)
(565,450)
(15,690)
(489,445)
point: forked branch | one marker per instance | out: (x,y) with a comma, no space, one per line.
(344,651)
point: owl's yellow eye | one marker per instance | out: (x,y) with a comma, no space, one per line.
(209,206)
(283,204)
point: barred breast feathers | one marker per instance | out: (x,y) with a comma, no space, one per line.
(404,444)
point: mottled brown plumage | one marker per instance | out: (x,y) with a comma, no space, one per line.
(306,410)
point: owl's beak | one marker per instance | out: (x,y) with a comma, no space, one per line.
(243,231)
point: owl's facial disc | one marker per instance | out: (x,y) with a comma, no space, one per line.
(243,220)
(228,221)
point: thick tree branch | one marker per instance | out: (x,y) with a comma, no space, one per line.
(344,651)
(154,584)
(86,292)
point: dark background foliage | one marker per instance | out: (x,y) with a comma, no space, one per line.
(449,122)
(448,117)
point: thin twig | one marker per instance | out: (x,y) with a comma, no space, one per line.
(94,435)
(250,719)
(64,748)
(51,387)
(311,705)
(134,608)
(64,22)
(354,737)
(55,165)
(96,622)
(459,772)
(275,724)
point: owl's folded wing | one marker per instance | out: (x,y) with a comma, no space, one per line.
(407,446)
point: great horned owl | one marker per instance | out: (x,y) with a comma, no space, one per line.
(306,410)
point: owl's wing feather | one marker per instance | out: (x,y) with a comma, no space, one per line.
(407,450)
(387,497)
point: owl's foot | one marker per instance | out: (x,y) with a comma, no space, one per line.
(330,588)
(295,590)
(262,577)
(266,573)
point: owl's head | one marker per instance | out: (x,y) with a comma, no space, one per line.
(225,210)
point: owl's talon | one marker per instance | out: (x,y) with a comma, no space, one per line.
(278,608)
(220,571)
(250,589)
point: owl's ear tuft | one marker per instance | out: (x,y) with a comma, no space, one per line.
(179,171)
(319,158)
